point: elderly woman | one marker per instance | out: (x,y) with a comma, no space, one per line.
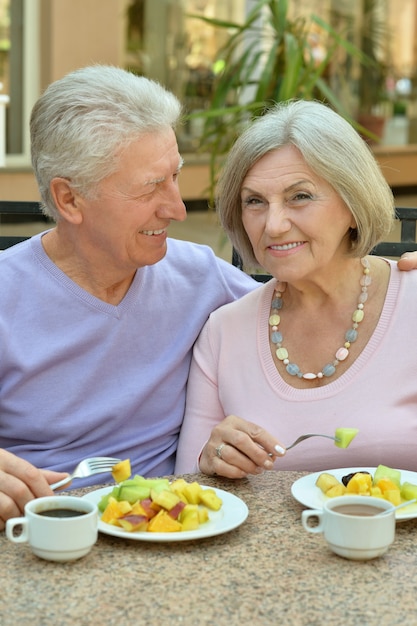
(331,340)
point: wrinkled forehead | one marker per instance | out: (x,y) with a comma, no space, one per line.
(150,158)
(286,160)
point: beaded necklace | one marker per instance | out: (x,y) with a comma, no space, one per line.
(350,336)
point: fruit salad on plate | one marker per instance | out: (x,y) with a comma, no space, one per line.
(385,483)
(157,505)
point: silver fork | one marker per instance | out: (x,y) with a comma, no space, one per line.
(300,439)
(88,467)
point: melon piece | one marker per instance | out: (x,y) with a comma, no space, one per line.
(344,436)
(132,492)
(157,484)
(383,471)
(409,491)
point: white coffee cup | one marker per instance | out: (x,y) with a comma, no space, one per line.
(53,534)
(351,527)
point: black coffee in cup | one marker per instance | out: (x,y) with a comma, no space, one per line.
(62,513)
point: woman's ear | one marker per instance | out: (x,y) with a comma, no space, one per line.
(67,201)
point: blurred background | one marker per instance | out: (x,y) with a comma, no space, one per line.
(362,54)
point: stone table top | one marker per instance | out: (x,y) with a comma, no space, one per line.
(267,571)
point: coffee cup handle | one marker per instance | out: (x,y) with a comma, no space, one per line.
(10,526)
(305,517)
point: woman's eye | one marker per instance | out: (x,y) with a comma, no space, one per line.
(251,201)
(301,195)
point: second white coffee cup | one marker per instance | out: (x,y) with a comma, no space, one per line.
(351,527)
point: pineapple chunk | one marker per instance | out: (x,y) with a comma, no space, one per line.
(209,498)
(190,517)
(325,481)
(178,484)
(360,484)
(114,510)
(336,490)
(121,471)
(178,487)
(393,496)
(386,484)
(203,515)
(166,499)
(192,491)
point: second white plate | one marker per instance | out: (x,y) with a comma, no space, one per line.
(304,489)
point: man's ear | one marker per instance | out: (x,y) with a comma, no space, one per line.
(67,201)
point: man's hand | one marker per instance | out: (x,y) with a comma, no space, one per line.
(20,482)
(408,261)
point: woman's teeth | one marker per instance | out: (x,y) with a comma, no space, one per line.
(287,246)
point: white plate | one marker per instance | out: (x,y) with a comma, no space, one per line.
(231,515)
(305,491)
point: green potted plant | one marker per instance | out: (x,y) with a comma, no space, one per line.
(268,58)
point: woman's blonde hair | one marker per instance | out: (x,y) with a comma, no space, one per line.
(332,148)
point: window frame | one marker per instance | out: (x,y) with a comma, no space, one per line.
(30,55)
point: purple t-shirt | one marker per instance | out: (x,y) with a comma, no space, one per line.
(81,378)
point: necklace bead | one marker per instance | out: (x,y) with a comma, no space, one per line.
(351,334)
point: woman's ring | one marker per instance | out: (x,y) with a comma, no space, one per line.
(219,450)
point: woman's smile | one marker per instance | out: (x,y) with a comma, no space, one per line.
(287,246)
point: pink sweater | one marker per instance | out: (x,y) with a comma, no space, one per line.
(233,372)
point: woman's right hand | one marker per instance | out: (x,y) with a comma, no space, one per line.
(21,482)
(237,448)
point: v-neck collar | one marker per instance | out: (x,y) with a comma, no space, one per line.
(79,292)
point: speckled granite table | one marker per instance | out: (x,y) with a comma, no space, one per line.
(268,571)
